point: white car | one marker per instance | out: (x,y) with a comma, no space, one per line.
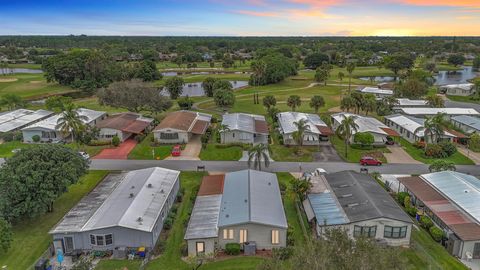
(85,155)
(319,171)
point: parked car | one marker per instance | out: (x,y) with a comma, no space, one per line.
(84,155)
(320,171)
(390,141)
(370,161)
(176,150)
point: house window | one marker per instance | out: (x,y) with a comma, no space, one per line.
(233,134)
(49,134)
(243,236)
(101,239)
(227,234)
(169,136)
(200,247)
(108,239)
(367,231)
(92,240)
(395,232)
(275,237)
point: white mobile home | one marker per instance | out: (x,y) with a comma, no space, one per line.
(464,89)
(316,132)
(18,119)
(244,128)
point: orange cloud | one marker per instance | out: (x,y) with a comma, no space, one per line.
(449,3)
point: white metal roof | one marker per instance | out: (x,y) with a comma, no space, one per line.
(462,189)
(434,111)
(473,122)
(411,102)
(376,90)
(365,124)
(51,122)
(23,120)
(411,123)
(251,196)
(241,121)
(204,218)
(287,120)
(463,86)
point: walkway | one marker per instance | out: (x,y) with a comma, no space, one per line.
(120,152)
(474,156)
(191,151)
(398,155)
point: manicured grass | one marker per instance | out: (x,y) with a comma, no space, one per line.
(7,147)
(418,154)
(31,86)
(24,65)
(92,103)
(287,153)
(118,265)
(424,253)
(31,236)
(145,150)
(354,155)
(215,151)
(468,99)
(444,66)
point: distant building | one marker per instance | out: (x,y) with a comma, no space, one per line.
(124,126)
(239,207)
(465,89)
(357,203)
(180,126)
(317,129)
(451,200)
(377,92)
(47,129)
(466,123)
(379,130)
(18,119)
(244,128)
(125,210)
(423,112)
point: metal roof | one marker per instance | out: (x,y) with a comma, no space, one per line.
(241,121)
(434,111)
(204,218)
(9,116)
(287,120)
(463,86)
(51,122)
(376,90)
(411,102)
(362,198)
(365,124)
(327,210)
(135,202)
(467,120)
(251,196)
(411,124)
(24,120)
(462,189)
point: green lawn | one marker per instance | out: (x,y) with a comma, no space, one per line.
(418,154)
(31,236)
(7,147)
(354,155)
(215,151)
(24,65)
(118,265)
(287,153)
(31,86)
(467,99)
(145,150)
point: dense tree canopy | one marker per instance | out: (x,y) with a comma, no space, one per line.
(398,62)
(272,69)
(314,60)
(174,86)
(456,59)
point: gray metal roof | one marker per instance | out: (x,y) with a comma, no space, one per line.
(362,198)
(327,209)
(473,122)
(51,122)
(241,121)
(204,218)
(150,188)
(365,124)
(375,90)
(411,102)
(462,189)
(251,196)
(434,111)
(287,120)
(24,120)
(9,116)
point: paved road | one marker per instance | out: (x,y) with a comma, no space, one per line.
(227,166)
(456,104)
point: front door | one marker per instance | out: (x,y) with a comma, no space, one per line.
(68,244)
(200,248)
(476,251)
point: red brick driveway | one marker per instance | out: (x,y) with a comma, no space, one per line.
(120,152)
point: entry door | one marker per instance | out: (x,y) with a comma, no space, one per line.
(68,244)
(476,251)
(200,248)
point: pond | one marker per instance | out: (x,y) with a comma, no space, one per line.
(4,71)
(195,89)
(378,78)
(455,77)
(178,73)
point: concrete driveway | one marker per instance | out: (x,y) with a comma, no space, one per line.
(120,152)
(191,151)
(398,155)
(474,156)
(327,153)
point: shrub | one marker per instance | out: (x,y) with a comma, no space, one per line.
(36,138)
(434,151)
(184,249)
(214,120)
(18,136)
(167,224)
(406,201)
(115,141)
(232,248)
(448,147)
(99,143)
(8,136)
(401,197)
(282,254)
(282,186)
(436,233)
(474,142)
(185,103)
(363,138)
(412,211)
(290,237)
(419,145)
(426,222)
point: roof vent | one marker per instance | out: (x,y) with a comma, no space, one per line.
(131,195)
(139,219)
(347,195)
(269,183)
(161,191)
(132,187)
(227,215)
(466,191)
(352,205)
(149,185)
(246,200)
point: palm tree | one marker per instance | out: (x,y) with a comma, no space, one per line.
(369,103)
(258,154)
(294,101)
(71,122)
(442,165)
(301,126)
(350,69)
(347,103)
(346,130)
(432,127)
(435,101)
(316,102)
(258,71)
(222,129)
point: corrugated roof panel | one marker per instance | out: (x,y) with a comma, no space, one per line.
(365,124)
(326,209)
(24,120)
(287,120)
(473,122)
(434,111)
(241,121)
(204,218)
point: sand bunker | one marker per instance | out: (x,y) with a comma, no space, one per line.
(35,81)
(8,80)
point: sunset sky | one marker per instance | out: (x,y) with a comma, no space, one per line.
(242,17)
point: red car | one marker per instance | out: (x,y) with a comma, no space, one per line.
(370,161)
(176,151)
